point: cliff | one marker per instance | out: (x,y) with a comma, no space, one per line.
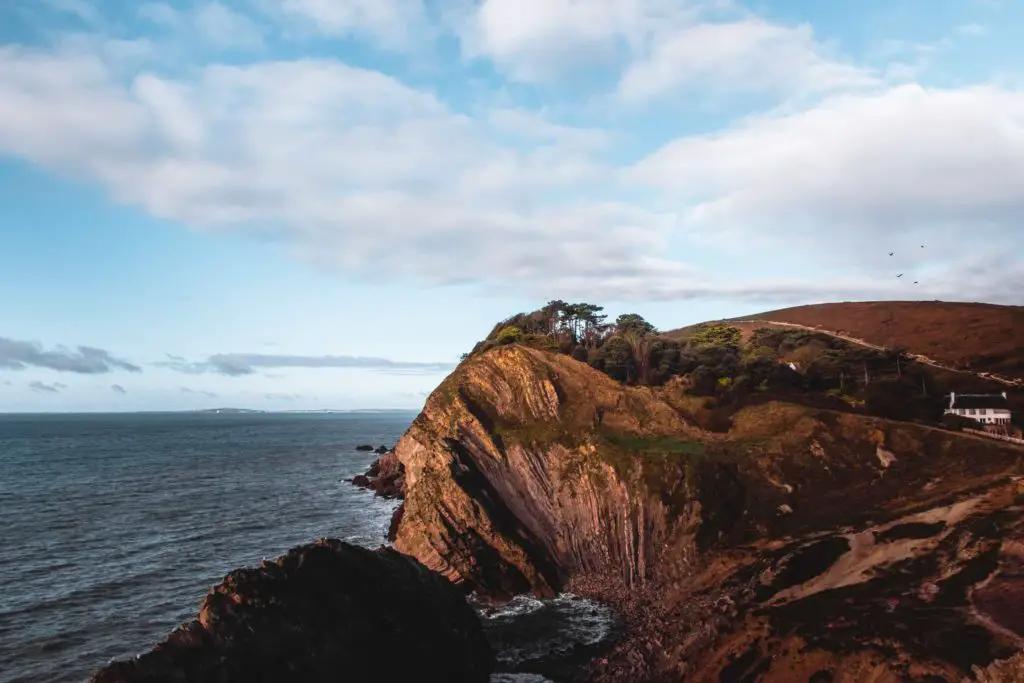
(802,544)
(327,611)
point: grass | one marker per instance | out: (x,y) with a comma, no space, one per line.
(666,466)
(534,433)
(655,444)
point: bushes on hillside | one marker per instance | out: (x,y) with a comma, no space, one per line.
(712,335)
(716,364)
(510,335)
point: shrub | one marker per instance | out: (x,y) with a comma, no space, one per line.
(540,341)
(510,335)
(615,359)
(765,352)
(716,335)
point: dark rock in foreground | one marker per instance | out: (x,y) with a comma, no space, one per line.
(364,447)
(328,611)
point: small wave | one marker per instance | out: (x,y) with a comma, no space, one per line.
(519,678)
(527,632)
(517,606)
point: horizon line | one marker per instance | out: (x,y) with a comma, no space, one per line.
(209,410)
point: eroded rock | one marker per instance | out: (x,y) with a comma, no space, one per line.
(386,476)
(512,485)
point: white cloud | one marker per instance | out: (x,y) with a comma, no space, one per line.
(220,25)
(533,127)
(392,24)
(662,45)
(535,40)
(748,55)
(214,23)
(860,174)
(160,13)
(354,170)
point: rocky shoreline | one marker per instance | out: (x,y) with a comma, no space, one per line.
(804,544)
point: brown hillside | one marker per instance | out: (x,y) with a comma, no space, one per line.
(974,336)
(801,544)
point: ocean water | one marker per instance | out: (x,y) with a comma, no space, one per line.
(113,528)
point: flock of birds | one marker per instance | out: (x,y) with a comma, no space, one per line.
(901,274)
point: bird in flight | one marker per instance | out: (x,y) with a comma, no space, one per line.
(891,253)
(915,282)
(900,275)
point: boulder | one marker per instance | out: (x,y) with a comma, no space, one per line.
(364,447)
(386,477)
(327,611)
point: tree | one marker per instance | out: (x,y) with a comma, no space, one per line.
(632,322)
(665,360)
(716,335)
(901,354)
(554,312)
(615,359)
(640,345)
(591,318)
(510,335)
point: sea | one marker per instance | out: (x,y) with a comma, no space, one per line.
(114,526)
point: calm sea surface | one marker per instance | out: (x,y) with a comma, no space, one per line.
(113,527)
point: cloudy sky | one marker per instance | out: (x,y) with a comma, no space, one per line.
(322,203)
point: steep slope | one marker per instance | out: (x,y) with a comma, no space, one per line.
(509,484)
(975,336)
(742,554)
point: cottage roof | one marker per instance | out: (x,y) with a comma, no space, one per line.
(976,401)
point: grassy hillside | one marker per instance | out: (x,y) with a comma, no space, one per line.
(975,336)
(896,360)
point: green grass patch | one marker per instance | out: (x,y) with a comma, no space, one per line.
(666,466)
(654,444)
(534,433)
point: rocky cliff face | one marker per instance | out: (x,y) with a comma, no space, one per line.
(803,544)
(510,487)
(328,611)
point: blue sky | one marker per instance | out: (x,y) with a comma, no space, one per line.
(322,203)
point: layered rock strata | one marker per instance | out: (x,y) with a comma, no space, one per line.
(803,544)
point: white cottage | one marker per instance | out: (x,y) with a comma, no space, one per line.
(990,409)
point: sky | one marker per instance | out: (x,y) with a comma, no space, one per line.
(296,204)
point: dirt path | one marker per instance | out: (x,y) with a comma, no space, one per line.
(1007,381)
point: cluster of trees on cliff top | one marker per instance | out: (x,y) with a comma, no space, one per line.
(716,361)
